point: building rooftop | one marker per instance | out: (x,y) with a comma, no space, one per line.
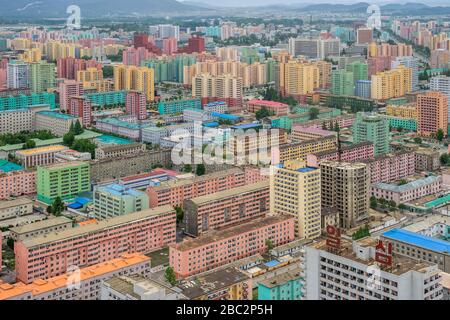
(120,123)
(231,192)
(210,282)
(427,221)
(43,224)
(418,240)
(4,204)
(268,103)
(221,234)
(56,166)
(6,166)
(100,225)
(118,190)
(39,150)
(409,186)
(281,278)
(39,286)
(56,115)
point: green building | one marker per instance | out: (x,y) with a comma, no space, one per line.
(177,106)
(302,115)
(170,69)
(114,200)
(65,180)
(355,104)
(359,70)
(107,98)
(374,128)
(286,286)
(42,76)
(342,83)
(404,123)
(24,101)
(250,56)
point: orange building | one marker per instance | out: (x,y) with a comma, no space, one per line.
(432,113)
(230,244)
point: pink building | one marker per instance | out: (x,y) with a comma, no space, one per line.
(175,192)
(378,64)
(300,133)
(343,121)
(134,57)
(17,183)
(136,105)
(170,45)
(277,108)
(80,107)
(51,255)
(230,244)
(67,89)
(352,153)
(408,192)
(391,167)
(68,68)
(227,207)
(3,78)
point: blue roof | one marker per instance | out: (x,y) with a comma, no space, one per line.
(7,166)
(418,240)
(211,124)
(83,200)
(224,116)
(272,263)
(75,205)
(119,190)
(246,126)
(306,169)
(57,115)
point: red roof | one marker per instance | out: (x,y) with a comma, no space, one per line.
(268,103)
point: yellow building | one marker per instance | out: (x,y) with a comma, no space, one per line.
(20,44)
(300,150)
(99,86)
(391,84)
(403,111)
(140,79)
(295,190)
(90,74)
(298,78)
(31,55)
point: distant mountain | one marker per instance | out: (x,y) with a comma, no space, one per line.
(90,8)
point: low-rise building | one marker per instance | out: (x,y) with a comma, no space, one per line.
(17,183)
(40,228)
(427,160)
(120,150)
(38,156)
(22,119)
(15,208)
(57,123)
(286,286)
(275,108)
(300,133)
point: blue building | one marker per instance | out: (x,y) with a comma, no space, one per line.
(363,89)
(173,107)
(286,286)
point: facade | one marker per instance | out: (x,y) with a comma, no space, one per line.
(15,208)
(136,105)
(286,286)
(351,153)
(345,186)
(441,84)
(230,244)
(56,288)
(391,167)
(408,192)
(295,190)
(15,121)
(17,183)
(374,128)
(38,156)
(57,123)
(409,62)
(17,75)
(40,228)
(275,108)
(67,89)
(115,200)
(402,123)
(363,89)
(42,76)
(176,192)
(363,277)
(300,133)
(364,35)
(80,107)
(135,78)
(342,83)
(51,255)
(432,113)
(117,151)
(173,107)
(64,180)
(224,208)
(394,83)
(427,160)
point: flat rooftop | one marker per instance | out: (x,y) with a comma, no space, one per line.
(4,204)
(39,150)
(281,278)
(231,192)
(118,190)
(56,115)
(418,240)
(229,232)
(44,224)
(6,166)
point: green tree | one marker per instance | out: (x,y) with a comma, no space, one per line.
(85,145)
(417,140)
(262,113)
(392,204)
(445,159)
(402,182)
(324,126)
(10,243)
(169,274)
(69,138)
(57,206)
(200,171)
(269,244)
(78,129)
(108,71)
(29,144)
(373,202)
(313,113)
(440,135)
(187,168)
(180,213)
(336,127)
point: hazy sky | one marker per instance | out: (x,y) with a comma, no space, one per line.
(233,3)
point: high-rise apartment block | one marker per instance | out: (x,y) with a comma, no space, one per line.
(17,75)
(135,78)
(432,113)
(342,83)
(42,76)
(374,128)
(67,89)
(345,187)
(394,83)
(136,105)
(295,190)
(441,84)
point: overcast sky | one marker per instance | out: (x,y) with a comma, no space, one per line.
(266,2)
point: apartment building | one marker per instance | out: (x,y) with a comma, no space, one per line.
(345,186)
(117,151)
(432,113)
(295,190)
(300,133)
(81,107)
(51,255)
(300,150)
(17,183)
(391,84)
(350,153)
(67,89)
(175,192)
(40,228)
(372,127)
(62,287)
(17,120)
(220,247)
(113,200)
(15,208)
(353,271)
(275,108)
(391,167)
(57,123)
(427,160)
(224,208)
(38,156)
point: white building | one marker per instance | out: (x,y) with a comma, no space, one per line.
(17,75)
(14,121)
(351,273)
(442,84)
(409,62)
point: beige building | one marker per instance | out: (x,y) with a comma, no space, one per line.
(40,228)
(295,190)
(119,150)
(14,208)
(38,156)
(345,186)
(57,123)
